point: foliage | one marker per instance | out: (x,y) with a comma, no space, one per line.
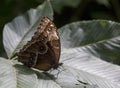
(85,44)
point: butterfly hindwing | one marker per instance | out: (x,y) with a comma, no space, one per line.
(43,50)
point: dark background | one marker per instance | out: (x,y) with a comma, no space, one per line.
(64,12)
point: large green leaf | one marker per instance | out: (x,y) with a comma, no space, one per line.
(16,76)
(58,5)
(99,37)
(25,77)
(81,66)
(46,82)
(21,29)
(78,68)
(104,2)
(7,74)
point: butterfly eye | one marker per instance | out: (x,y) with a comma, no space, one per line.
(43,49)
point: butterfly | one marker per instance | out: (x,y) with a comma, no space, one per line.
(43,50)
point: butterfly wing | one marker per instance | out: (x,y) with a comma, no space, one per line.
(43,50)
(51,58)
(53,40)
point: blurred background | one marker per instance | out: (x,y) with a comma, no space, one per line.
(65,11)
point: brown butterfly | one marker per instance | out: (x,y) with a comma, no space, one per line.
(43,50)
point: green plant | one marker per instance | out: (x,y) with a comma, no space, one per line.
(83,43)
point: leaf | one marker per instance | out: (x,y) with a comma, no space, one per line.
(58,5)
(26,78)
(82,69)
(104,2)
(20,30)
(18,77)
(77,67)
(81,66)
(46,82)
(99,37)
(7,74)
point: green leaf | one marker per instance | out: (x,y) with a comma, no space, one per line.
(58,5)
(7,74)
(99,37)
(20,30)
(16,76)
(45,82)
(104,2)
(80,66)
(25,77)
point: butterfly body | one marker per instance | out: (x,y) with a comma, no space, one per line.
(43,50)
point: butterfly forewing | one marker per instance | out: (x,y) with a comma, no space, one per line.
(43,50)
